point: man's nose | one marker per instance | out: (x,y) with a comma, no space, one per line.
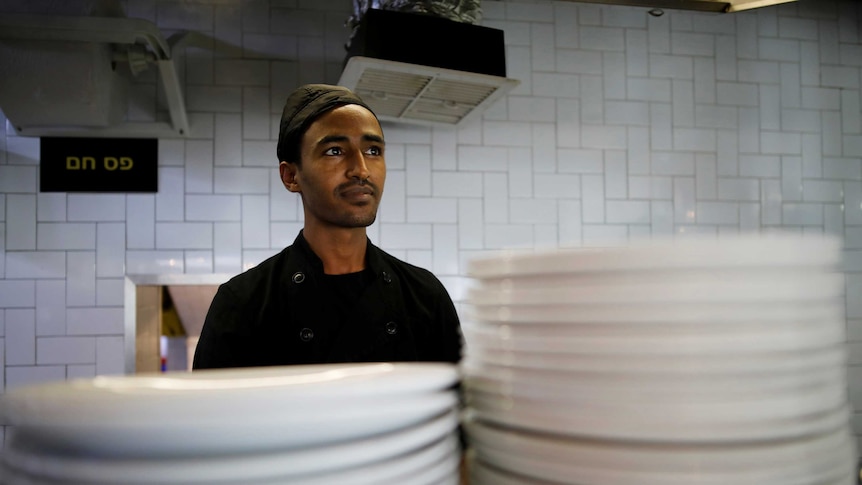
(358,168)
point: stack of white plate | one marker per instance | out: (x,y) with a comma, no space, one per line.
(662,362)
(318,424)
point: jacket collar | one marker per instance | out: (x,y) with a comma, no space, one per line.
(373,259)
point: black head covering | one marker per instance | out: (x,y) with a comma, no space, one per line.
(303,106)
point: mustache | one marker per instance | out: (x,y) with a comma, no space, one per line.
(359,183)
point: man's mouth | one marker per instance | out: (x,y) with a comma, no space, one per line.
(361,192)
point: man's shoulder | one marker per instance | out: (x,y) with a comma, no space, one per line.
(261,274)
(409,272)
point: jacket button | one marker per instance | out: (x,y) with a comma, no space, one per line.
(298,277)
(306,334)
(386,278)
(391,328)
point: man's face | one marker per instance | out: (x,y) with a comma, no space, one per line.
(343,169)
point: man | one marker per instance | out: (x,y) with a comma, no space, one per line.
(332,296)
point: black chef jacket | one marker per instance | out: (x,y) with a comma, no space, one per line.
(287,311)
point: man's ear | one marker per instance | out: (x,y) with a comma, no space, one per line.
(289,176)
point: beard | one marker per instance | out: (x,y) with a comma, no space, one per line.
(360,220)
(363,218)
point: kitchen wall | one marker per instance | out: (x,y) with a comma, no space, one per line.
(624,125)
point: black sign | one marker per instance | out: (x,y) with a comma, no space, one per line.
(99,165)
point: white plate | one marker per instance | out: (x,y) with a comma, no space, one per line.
(636,363)
(483,474)
(650,313)
(566,386)
(719,276)
(676,458)
(435,464)
(306,426)
(748,288)
(194,413)
(807,470)
(112,399)
(660,407)
(833,470)
(23,457)
(739,251)
(671,420)
(753,338)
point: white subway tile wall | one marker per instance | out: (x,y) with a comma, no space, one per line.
(81,279)
(65,350)
(18,178)
(109,292)
(227,247)
(51,207)
(255,221)
(50,307)
(110,249)
(22,151)
(19,375)
(624,125)
(21,222)
(65,236)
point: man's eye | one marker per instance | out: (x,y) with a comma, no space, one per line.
(334,151)
(376,151)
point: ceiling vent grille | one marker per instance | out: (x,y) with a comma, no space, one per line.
(403,92)
(405,78)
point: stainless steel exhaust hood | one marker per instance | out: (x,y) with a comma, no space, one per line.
(65,68)
(418,65)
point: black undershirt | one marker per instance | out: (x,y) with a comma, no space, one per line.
(345,292)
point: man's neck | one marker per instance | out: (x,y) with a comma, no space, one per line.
(342,250)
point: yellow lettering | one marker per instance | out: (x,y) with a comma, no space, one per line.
(73,163)
(85,161)
(111,163)
(126,163)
